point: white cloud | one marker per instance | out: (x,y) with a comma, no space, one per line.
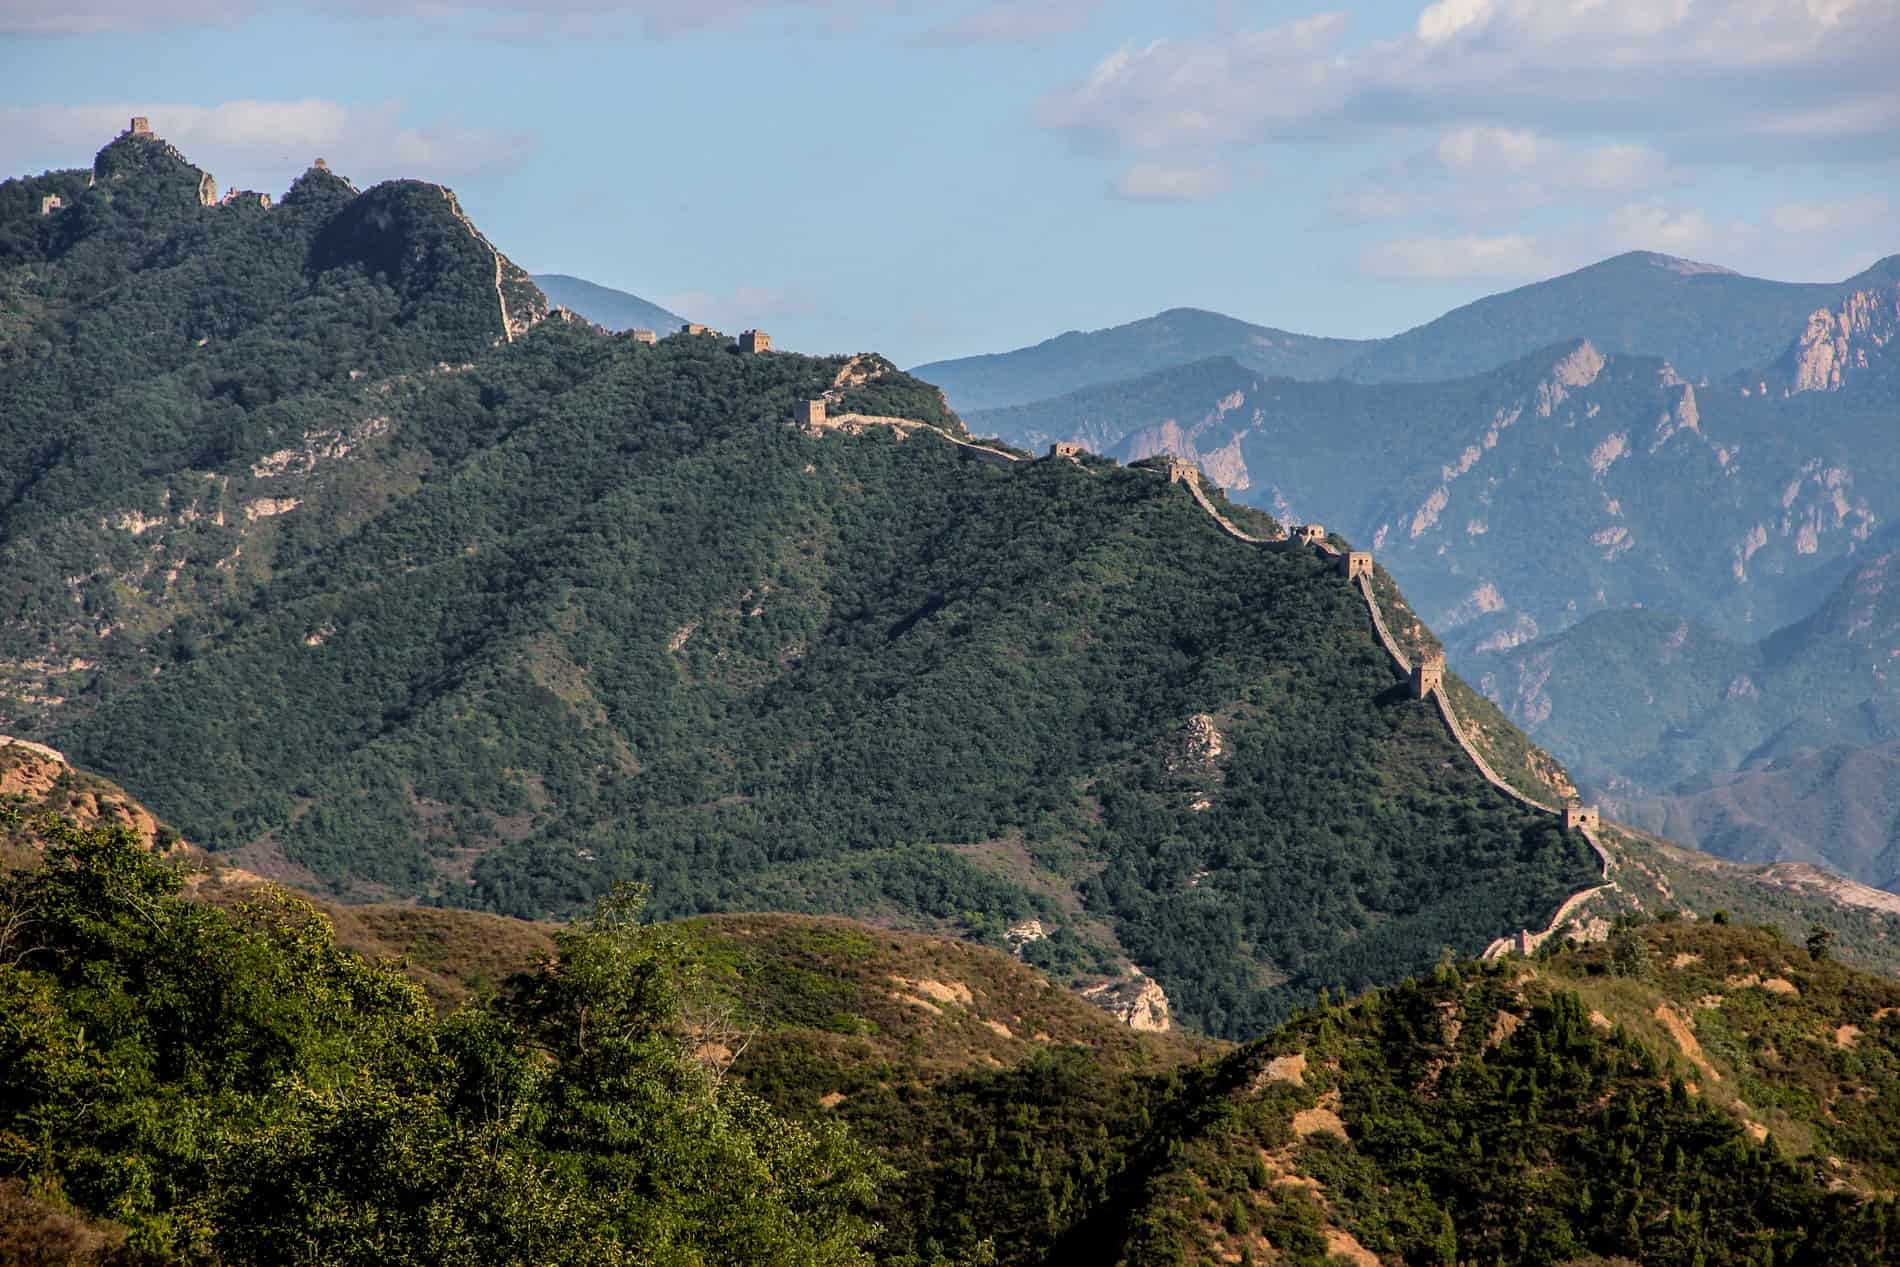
(1196,92)
(1843,216)
(1657,226)
(1714,75)
(1159,182)
(1466,257)
(266,143)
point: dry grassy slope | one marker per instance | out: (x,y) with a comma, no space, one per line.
(1801,1054)
(829,994)
(33,782)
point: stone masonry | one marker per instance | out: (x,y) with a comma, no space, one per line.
(1428,676)
(1579,817)
(1355,564)
(754,342)
(809,414)
(643,336)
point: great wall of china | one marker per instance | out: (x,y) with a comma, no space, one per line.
(1427,679)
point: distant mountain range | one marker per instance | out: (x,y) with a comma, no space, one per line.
(1680,519)
(605,306)
(1704,320)
(1787,747)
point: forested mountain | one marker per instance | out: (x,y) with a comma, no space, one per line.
(394,590)
(603,305)
(1705,321)
(191,1082)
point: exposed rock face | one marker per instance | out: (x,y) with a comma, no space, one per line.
(1137,1000)
(1836,344)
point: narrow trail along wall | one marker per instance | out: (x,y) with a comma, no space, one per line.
(1185,473)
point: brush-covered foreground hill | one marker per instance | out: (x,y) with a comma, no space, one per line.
(605,306)
(192,1082)
(499,614)
(1706,321)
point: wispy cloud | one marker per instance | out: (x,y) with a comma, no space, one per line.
(1465,257)
(1160,182)
(270,141)
(1704,76)
(1843,216)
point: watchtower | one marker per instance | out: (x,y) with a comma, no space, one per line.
(694,327)
(754,342)
(809,414)
(1578,817)
(51,203)
(1309,534)
(1180,472)
(1355,564)
(1427,676)
(1061,450)
(321,166)
(141,126)
(643,336)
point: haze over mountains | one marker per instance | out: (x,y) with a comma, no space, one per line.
(1705,320)
(605,306)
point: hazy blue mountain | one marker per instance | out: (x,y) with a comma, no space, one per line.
(1082,358)
(1706,321)
(1518,501)
(603,305)
(1779,749)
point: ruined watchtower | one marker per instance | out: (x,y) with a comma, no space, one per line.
(1061,450)
(1355,564)
(809,414)
(141,126)
(1428,675)
(1309,534)
(753,342)
(51,203)
(643,336)
(1180,472)
(694,327)
(1578,817)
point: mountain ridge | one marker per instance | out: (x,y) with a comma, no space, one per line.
(1705,320)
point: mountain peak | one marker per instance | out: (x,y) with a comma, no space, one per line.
(1673,263)
(139,155)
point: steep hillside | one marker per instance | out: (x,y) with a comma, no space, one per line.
(603,305)
(1178,336)
(503,630)
(1683,1094)
(1706,321)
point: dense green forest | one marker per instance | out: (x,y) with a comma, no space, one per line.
(221,1083)
(392,598)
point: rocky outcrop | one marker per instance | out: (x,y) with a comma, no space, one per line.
(1136,1000)
(1838,344)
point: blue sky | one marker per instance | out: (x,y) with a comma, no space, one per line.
(936,180)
